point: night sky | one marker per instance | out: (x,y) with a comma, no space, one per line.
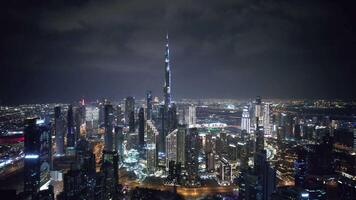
(59,51)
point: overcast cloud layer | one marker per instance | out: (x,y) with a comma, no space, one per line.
(52,51)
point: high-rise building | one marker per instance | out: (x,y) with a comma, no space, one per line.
(70,127)
(209,143)
(109,126)
(111,176)
(245,120)
(258,117)
(130,113)
(210,162)
(167,78)
(192,116)
(151,145)
(37,149)
(162,127)
(172,120)
(192,153)
(267,127)
(119,115)
(77,123)
(171,147)
(91,118)
(225,172)
(141,127)
(118,142)
(149,105)
(259,146)
(181,138)
(59,130)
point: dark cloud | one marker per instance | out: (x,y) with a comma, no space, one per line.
(62,50)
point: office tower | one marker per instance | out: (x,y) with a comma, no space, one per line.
(172,120)
(210,162)
(243,154)
(70,127)
(192,116)
(141,128)
(258,112)
(118,142)
(232,152)
(91,118)
(37,149)
(162,127)
(151,144)
(266,120)
(110,156)
(130,113)
(101,113)
(209,143)
(167,78)
(119,116)
(151,158)
(111,176)
(59,130)
(77,123)
(108,123)
(259,139)
(265,173)
(192,153)
(245,120)
(269,181)
(171,147)
(225,172)
(221,144)
(181,137)
(149,105)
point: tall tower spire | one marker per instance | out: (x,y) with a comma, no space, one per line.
(167,81)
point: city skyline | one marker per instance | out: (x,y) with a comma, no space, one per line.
(230,49)
(203,99)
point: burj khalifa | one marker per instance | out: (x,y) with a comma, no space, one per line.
(167,81)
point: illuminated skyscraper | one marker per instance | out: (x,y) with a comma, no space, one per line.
(110,156)
(258,112)
(266,120)
(245,120)
(37,149)
(172,117)
(192,153)
(149,105)
(70,126)
(130,113)
(225,172)
(167,80)
(152,154)
(118,142)
(171,147)
(141,127)
(108,122)
(210,162)
(181,137)
(192,116)
(59,130)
